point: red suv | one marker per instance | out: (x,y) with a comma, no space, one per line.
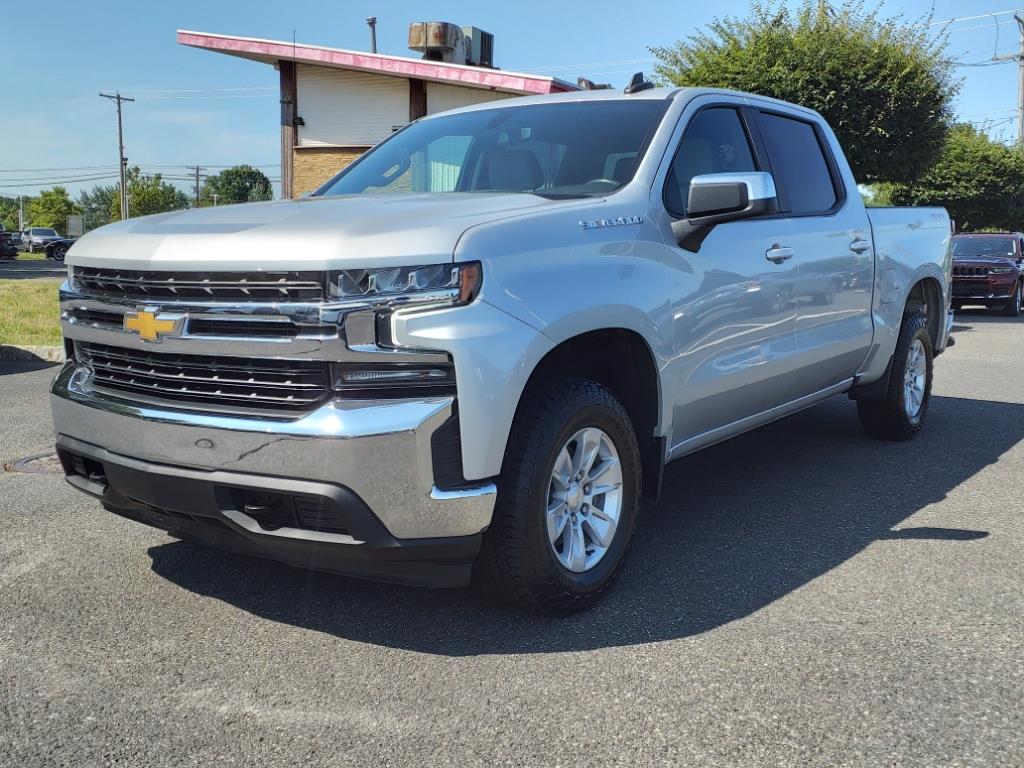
(987,270)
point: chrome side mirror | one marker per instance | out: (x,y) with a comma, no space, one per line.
(715,198)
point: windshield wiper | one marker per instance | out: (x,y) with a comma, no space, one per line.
(560,195)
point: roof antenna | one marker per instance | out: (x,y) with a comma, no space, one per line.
(638,83)
(371,22)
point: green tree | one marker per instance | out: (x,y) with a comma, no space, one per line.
(9,213)
(97,204)
(978,180)
(884,85)
(240,184)
(50,209)
(148,195)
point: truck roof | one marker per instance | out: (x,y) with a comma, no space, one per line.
(618,94)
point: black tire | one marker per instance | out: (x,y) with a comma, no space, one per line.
(57,253)
(516,563)
(1013,306)
(887,419)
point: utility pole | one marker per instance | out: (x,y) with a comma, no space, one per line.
(21,213)
(123,162)
(214,199)
(1019,58)
(1020,81)
(196,169)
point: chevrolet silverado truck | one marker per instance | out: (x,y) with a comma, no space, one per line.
(469,355)
(988,269)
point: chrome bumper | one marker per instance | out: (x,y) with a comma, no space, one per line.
(378,449)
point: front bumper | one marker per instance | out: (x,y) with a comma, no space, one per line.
(982,290)
(373,459)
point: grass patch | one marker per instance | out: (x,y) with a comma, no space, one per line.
(26,256)
(29,312)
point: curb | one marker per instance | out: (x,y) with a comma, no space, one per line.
(31,354)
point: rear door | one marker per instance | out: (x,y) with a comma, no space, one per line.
(825,224)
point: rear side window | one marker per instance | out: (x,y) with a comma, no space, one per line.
(715,142)
(798,163)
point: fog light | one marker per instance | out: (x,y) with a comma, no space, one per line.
(395,375)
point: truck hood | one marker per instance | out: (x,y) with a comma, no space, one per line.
(311,233)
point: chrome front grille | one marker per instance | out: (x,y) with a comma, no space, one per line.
(205,380)
(278,286)
(224,325)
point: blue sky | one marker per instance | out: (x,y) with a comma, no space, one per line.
(57,56)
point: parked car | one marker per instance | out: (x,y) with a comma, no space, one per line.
(17,240)
(37,238)
(57,249)
(8,250)
(495,333)
(988,269)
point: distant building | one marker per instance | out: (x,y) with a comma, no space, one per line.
(336,104)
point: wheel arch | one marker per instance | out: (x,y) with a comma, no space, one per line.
(623,361)
(926,296)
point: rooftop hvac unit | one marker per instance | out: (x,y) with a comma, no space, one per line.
(442,41)
(438,41)
(479,47)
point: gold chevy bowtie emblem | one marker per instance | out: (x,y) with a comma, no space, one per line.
(148,325)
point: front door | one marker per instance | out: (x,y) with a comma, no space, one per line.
(735,320)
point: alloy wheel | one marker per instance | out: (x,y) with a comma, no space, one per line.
(584,500)
(914,380)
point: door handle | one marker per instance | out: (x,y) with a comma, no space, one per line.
(778,254)
(859,246)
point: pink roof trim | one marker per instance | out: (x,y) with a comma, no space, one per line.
(270,51)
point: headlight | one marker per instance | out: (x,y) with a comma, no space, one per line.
(445,283)
(1000,270)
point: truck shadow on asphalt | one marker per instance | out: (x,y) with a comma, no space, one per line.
(739,526)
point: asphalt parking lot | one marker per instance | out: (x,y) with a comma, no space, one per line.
(802,595)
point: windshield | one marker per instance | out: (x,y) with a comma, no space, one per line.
(564,149)
(43,231)
(1001,247)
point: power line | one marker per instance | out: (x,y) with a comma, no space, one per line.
(210,90)
(6,185)
(58,179)
(67,168)
(141,165)
(973,18)
(201,97)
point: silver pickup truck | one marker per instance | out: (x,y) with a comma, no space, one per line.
(472,352)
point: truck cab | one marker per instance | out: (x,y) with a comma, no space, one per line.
(472,352)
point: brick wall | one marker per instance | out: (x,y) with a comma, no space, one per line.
(315,165)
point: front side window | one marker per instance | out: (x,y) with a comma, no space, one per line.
(565,149)
(715,142)
(798,163)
